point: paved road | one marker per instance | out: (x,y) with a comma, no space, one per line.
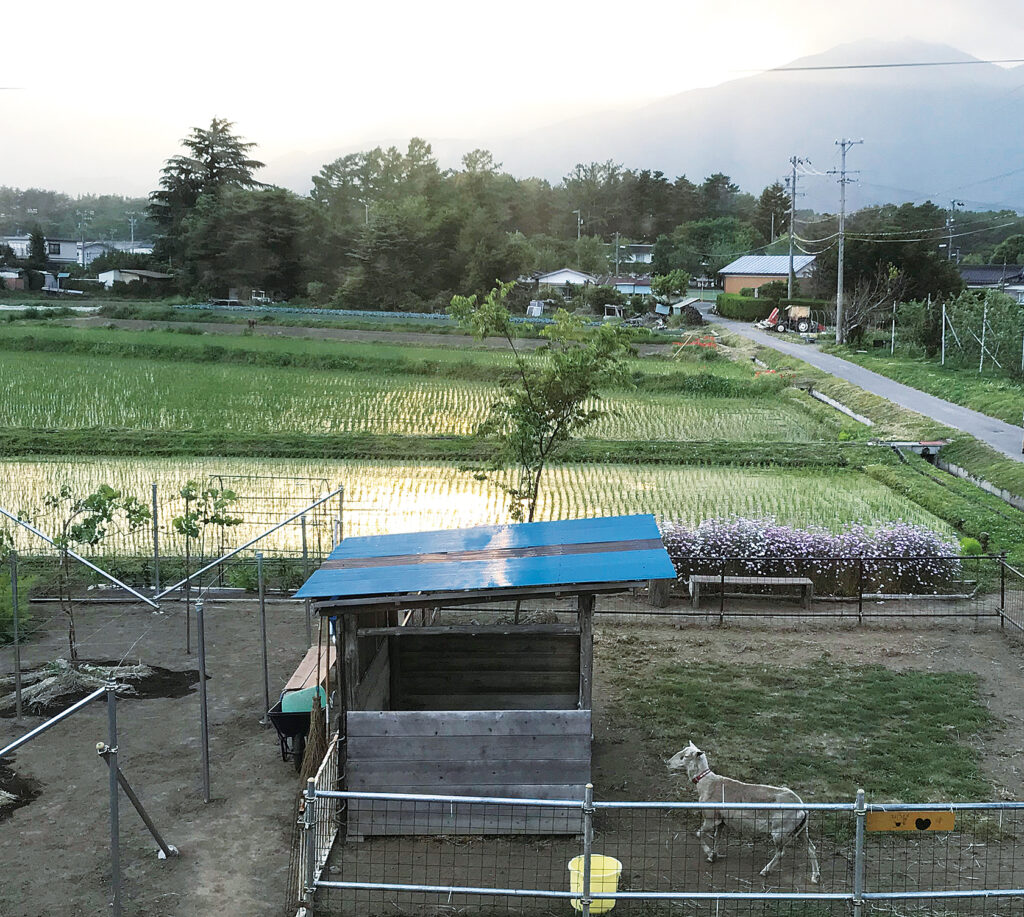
(998,434)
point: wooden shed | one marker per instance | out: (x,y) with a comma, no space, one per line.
(432,703)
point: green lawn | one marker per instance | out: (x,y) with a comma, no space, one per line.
(826,728)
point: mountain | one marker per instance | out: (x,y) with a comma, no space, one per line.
(929,132)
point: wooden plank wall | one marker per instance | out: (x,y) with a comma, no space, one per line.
(486,672)
(525,754)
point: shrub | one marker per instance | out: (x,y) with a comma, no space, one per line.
(970,546)
(762,547)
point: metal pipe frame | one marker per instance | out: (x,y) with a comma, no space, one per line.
(248,544)
(113,579)
(53,721)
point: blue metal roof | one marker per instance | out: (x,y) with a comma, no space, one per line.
(573,553)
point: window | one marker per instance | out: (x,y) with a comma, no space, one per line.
(53,248)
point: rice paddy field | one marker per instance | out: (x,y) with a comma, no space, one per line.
(383,496)
(70,392)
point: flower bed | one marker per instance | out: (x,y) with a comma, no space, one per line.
(897,558)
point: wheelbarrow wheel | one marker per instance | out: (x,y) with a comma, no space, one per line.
(299,746)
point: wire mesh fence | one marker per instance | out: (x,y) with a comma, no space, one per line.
(811,860)
(933,586)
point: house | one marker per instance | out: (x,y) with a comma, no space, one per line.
(629,285)
(755,270)
(640,253)
(563,277)
(132,275)
(93,250)
(59,251)
(990,276)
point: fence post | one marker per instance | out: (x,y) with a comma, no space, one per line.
(17,640)
(305,576)
(115,848)
(204,727)
(265,719)
(721,597)
(309,845)
(860,813)
(156,546)
(588,846)
(860,590)
(1003,591)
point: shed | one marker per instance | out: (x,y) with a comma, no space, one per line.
(432,702)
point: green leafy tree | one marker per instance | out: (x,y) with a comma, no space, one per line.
(1009,251)
(86,522)
(204,507)
(667,286)
(552,394)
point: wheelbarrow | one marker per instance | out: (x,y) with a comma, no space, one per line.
(290,716)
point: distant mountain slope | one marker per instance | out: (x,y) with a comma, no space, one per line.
(930,131)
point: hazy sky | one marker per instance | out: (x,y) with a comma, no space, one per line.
(105,90)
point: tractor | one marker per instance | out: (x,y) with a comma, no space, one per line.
(796,318)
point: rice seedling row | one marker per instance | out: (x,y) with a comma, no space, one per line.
(383,496)
(47,391)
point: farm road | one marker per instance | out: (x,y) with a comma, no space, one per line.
(998,434)
(371,336)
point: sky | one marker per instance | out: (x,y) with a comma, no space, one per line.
(98,95)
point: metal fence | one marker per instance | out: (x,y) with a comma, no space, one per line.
(645,858)
(317,823)
(933,586)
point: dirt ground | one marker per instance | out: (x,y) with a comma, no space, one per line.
(235,851)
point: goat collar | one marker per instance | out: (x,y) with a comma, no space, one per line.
(701,776)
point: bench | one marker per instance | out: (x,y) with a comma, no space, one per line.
(304,675)
(806,585)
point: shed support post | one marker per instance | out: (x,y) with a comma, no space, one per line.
(588,846)
(265,719)
(17,638)
(585,604)
(860,814)
(115,841)
(860,590)
(349,658)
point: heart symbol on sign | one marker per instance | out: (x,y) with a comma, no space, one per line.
(923,824)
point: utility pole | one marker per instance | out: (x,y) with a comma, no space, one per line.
(949,225)
(794,161)
(133,218)
(616,254)
(84,218)
(844,145)
(579,228)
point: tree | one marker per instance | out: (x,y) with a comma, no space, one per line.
(550,396)
(86,521)
(872,298)
(1009,251)
(37,257)
(772,209)
(203,508)
(667,286)
(215,160)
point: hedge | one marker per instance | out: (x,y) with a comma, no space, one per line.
(753,309)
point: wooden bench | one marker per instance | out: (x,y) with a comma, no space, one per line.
(304,675)
(806,585)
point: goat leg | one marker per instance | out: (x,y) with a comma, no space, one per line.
(812,855)
(779,848)
(706,827)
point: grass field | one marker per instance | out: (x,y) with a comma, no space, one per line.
(395,497)
(855,725)
(989,392)
(68,392)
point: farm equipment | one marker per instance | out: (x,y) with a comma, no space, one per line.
(290,716)
(795,318)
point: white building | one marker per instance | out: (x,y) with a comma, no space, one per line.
(126,275)
(59,251)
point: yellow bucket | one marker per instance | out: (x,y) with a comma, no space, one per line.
(604,877)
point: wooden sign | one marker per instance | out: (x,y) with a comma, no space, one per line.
(910,821)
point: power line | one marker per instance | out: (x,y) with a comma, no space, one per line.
(888,66)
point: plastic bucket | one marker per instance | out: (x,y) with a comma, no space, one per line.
(604,877)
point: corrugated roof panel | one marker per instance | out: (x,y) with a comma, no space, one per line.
(760,265)
(569,552)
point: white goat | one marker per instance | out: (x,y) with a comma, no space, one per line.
(783,825)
